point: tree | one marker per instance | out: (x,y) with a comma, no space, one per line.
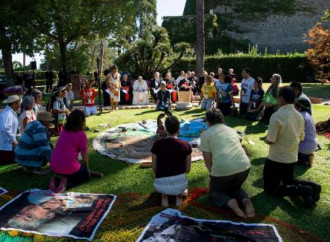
(16,34)
(319,39)
(200,38)
(66,22)
(146,56)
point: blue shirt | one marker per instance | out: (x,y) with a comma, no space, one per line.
(309,144)
(33,148)
(8,128)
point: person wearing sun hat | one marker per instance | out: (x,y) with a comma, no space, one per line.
(8,128)
(34,148)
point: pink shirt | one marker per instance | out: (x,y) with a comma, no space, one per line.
(65,156)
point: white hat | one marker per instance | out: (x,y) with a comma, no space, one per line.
(12,99)
(45,116)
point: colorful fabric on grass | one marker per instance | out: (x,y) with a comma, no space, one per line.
(132,142)
(76,215)
(171,225)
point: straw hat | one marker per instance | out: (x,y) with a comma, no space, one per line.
(12,99)
(45,116)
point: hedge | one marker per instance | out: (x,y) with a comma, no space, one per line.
(39,74)
(291,67)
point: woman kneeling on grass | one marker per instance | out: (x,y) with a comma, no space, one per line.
(227,163)
(171,161)
(64,161)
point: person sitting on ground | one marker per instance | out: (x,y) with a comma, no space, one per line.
(34,148)
(163,98)
(155,86)
(297,87)
(114,88)
(59,110)
(64,161)
(227,164)
(208,95)
(308,146)
(171,161)
(8,128)
(37,94)
(140,92)
(246,89)
(28,114)
(285,132)
(88,95)
(69,96)
(270,97)
(256,107)
(225,98)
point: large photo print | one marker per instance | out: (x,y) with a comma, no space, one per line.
(2,191)
(76,215)
(171,225)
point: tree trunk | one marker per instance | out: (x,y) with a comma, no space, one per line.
(8,64)
(63,53)
(200,41)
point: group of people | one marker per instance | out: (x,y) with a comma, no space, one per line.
(291,134)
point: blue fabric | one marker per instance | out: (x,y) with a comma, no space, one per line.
(33,148)
(192,129)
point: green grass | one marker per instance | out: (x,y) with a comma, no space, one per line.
(122,178)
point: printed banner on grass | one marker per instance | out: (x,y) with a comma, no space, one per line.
(2,191)
(76,215)
(171,225)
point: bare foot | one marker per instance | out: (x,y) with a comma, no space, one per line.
(249,210)
(232,204)
(178,200)
(164,201)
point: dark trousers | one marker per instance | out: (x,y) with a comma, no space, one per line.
(225,108)
(255,116)
(278,178)
(6,157)
(49,85)
(243,107)
(78,177)
(267,114)
(225,188)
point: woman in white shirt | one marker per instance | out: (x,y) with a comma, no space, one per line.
(28,114)
(140,92)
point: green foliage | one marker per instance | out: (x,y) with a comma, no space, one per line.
(183,29)
(148,55)
(290,66)
(190,7)
(326,18)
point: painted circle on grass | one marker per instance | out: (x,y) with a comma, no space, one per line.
(132,142)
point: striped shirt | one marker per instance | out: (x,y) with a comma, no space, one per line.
(33,148)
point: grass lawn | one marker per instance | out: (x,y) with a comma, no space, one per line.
(123,178)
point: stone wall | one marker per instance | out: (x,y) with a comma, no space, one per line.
(283,32)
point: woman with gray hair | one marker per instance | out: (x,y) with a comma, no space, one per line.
(28,114)
(270,97)
(37,94)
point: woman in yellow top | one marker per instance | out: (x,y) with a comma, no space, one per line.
(208,94)
(114,88)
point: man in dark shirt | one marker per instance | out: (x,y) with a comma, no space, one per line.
(49,80)
(62,78)
(155,85)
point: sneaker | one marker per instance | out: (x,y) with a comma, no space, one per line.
(52,186)
(61,188)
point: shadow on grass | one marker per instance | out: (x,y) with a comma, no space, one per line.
(195,111)
(255,128)
(258,161)
(147,112)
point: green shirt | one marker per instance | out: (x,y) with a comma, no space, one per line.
(228,156)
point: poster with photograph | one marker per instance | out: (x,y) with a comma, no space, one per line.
(76,215)
(171,225)
(2,191)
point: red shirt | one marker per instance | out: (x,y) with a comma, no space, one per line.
(89,97)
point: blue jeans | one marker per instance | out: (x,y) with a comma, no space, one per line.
(206,103)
